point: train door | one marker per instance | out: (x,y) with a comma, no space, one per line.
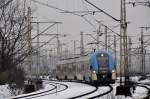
(74,70)
(86,70)
(69,70)
(79,70)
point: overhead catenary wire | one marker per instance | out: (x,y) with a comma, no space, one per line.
(102,23)
(62,10)
(103,11)
(74,13)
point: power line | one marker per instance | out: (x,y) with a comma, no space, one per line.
(102,23)
(66,11)
(103,11)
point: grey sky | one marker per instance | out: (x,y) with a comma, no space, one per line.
(73,25)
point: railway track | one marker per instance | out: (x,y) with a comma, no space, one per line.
(105,93)
(98,92)
(96,89)
(92,92)
(44,93)
(85,94)
(88,93)
(146,86)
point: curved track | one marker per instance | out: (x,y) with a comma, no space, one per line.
(145,85)
(85,94)
(91,92)
(66,87)
(100,95)
(96,96)
(44,93)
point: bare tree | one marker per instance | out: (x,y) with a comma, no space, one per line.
(13,33)
(13,36)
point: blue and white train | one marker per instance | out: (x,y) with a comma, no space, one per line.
(97,66)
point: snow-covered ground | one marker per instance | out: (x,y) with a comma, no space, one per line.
(4,92)
(75,89)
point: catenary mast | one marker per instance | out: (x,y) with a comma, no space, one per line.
(123,45)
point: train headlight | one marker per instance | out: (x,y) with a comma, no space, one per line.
(94,71)
(113,71)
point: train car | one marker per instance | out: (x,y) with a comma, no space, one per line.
(73,68)
(102,66)
(97,66)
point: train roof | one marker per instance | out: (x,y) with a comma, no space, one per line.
(75,59)
(82,58)
(101,51)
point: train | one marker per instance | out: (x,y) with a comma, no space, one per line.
(94,67)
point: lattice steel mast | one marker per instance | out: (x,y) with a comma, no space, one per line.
(123,33)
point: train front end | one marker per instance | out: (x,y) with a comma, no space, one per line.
(102,66)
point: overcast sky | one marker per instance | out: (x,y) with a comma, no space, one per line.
(72,25)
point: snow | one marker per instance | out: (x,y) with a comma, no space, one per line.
(140,93)
(4,91)
(75,89)
(46,88)
(145,81)
(100,91)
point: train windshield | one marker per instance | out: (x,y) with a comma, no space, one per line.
(102,60)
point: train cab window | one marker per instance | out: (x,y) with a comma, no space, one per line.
(102,59)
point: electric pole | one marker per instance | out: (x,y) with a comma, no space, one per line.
(108,40)
(123,42)
(106,48)
(74,47)
(82,45)
(115,47)
(142,50)
(125,88)
(38,50)
(74,43)
(58,44)
(130,44)
(41,33)
(98,34)
(29,41)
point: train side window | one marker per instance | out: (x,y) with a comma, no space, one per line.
(69,68)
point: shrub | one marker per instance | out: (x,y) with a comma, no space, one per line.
(3,77)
